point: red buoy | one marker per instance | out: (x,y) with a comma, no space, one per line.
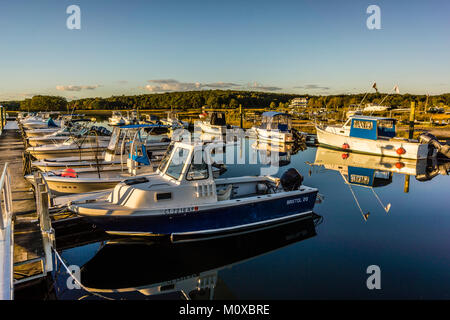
(399,165)
(401,151)
(69,172)
(345,146)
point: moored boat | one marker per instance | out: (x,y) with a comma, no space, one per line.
(182,199)
(276,127)
(372,135)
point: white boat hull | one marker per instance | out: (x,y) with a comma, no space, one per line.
(274,136)
(383,147)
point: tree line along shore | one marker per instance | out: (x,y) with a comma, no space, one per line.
(189,100)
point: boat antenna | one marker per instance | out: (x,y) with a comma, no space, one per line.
(365,215)
(393,89)
(387,207)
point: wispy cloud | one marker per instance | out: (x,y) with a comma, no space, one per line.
(312,87)
(122,82)
(77,88)
(166,85)
(257,86)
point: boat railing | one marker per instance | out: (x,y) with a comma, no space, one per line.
(6,237)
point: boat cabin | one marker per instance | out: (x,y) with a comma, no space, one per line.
(273,120)
(367,177)
(217,118)
(372,128)
(185,178)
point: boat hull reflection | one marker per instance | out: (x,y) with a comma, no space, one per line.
(160,268)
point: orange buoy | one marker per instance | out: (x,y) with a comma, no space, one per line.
(345,146)
(399,165)
(69,172)
(400,151)
(345,156)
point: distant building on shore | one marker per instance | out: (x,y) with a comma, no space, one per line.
(299,102)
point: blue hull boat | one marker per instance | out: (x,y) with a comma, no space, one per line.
(183,200)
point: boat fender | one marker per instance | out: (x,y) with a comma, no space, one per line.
(401,151)
(69,172)
(345,156)
(291,180)
(345,146)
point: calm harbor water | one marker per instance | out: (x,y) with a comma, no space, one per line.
(324,257)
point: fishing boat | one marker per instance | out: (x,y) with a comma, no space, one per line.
(372,135)
(71,130)
(116,119)
(173,121)
(373,107)
(72,147)
(275,127)
(116,153)
(182,199)
(214,123)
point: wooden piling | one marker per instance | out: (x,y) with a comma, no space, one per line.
(241,116)
(412,118)
(406,188)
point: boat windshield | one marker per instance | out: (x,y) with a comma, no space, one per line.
(165,159)
(177,163)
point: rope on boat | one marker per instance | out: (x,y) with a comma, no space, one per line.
(77,281)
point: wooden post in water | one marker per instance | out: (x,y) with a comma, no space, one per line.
(406,189)
(412,118)
(241,116)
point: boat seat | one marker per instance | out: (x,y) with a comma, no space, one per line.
(225,194)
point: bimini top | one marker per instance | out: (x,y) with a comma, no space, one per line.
(272,114)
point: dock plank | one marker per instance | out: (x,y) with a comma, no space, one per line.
(27,235)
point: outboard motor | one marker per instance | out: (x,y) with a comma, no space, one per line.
(428,138)
(291,180)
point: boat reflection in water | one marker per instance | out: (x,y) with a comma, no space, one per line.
(279,154)
(362,170)
(127,269)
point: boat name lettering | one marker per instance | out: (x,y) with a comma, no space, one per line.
(360,124)
(180,210)
(298,200)
(355,178)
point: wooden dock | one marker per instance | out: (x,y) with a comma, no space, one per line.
(28,244)
(33,244)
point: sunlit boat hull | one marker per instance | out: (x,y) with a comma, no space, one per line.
(205,221)
(274,136)
(382,147)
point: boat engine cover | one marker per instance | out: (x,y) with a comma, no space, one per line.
(291,180)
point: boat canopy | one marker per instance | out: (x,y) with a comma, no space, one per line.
(273,120)
(367,127)
(217,119)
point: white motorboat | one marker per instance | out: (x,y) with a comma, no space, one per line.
(276,127)
(372,135)
(72,147)
(214,123)
(182,199)
(115,155)
(173,121)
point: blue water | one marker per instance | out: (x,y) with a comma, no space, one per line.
(409,243)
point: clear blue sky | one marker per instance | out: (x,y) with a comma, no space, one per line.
(135,47)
